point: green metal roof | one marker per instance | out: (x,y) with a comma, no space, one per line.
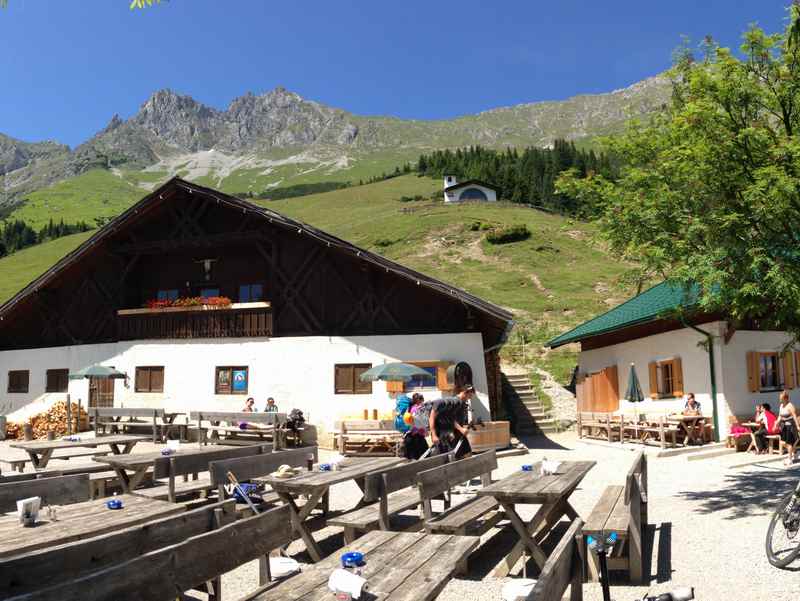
(648,306)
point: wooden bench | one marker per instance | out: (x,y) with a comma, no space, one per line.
(367,437)
(657,428)
(110,419)
(563,569)
(599,425)
(622,509)
(167,469)
(223,426)
(99,477)
(247,468)
(18,462)
(58,490)
(478,514)
(394,490)
(23,574)
(176,564)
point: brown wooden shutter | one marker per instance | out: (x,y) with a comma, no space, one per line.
(343,379)
(156,379)
(677,377)
(612,380)
(398,386)
(142,379)
(788,371)
(361,387)
(653,369)
(796,365)
(753,378)
(441,377)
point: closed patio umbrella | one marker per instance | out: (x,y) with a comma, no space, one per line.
(97,371)
(634,394)
(394,372)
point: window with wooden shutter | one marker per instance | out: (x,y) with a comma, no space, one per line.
(18,381)
(769,374)
(149,379)
(770,371)
(666,378)
(347,378)
(56,380)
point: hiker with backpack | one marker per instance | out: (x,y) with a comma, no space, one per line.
(415,442)
(448,423)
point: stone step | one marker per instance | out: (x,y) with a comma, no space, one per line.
(543,429)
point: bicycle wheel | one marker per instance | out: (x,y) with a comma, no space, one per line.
(783,534)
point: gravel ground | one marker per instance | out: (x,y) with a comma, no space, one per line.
(707,525)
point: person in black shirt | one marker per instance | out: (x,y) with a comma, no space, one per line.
(448,423)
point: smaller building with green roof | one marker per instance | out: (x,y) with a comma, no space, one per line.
(665,336)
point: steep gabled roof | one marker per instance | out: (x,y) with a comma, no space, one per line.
(491,310)
(470,182)
(649,306)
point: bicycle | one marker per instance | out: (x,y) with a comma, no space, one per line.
(783,533)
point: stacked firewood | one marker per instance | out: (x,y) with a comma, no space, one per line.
(53,420)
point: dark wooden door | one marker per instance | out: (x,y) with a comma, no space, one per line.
(101,392)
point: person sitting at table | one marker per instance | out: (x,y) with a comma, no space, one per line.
(248,405)
(788,426)
(271,406)
(692,409)
(692,406)
(765,419)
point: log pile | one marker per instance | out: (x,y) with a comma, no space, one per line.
(53,420)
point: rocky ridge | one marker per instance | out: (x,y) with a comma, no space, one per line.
(169,124)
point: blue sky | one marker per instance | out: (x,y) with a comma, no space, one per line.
(67,66)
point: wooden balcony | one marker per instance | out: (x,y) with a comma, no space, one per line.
(240,320)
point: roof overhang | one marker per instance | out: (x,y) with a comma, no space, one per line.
(497,314)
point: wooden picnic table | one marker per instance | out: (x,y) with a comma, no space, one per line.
(552,492)
(78,521)
(688,423)
(138,463)
(316,485)
(41,451)
(399,566)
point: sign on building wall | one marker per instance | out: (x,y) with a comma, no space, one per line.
(239,380)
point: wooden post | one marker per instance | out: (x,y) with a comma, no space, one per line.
(69,416)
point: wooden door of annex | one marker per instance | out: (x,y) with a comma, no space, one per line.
(101,392)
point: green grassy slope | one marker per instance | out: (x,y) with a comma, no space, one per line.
(94,194)
(553,280)
(21,268)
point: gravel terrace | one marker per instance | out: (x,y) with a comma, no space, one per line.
(707,525)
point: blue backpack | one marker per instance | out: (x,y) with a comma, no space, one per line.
(403,404)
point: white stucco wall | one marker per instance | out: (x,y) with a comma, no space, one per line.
(455,195)
(298,372)
(730,360)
